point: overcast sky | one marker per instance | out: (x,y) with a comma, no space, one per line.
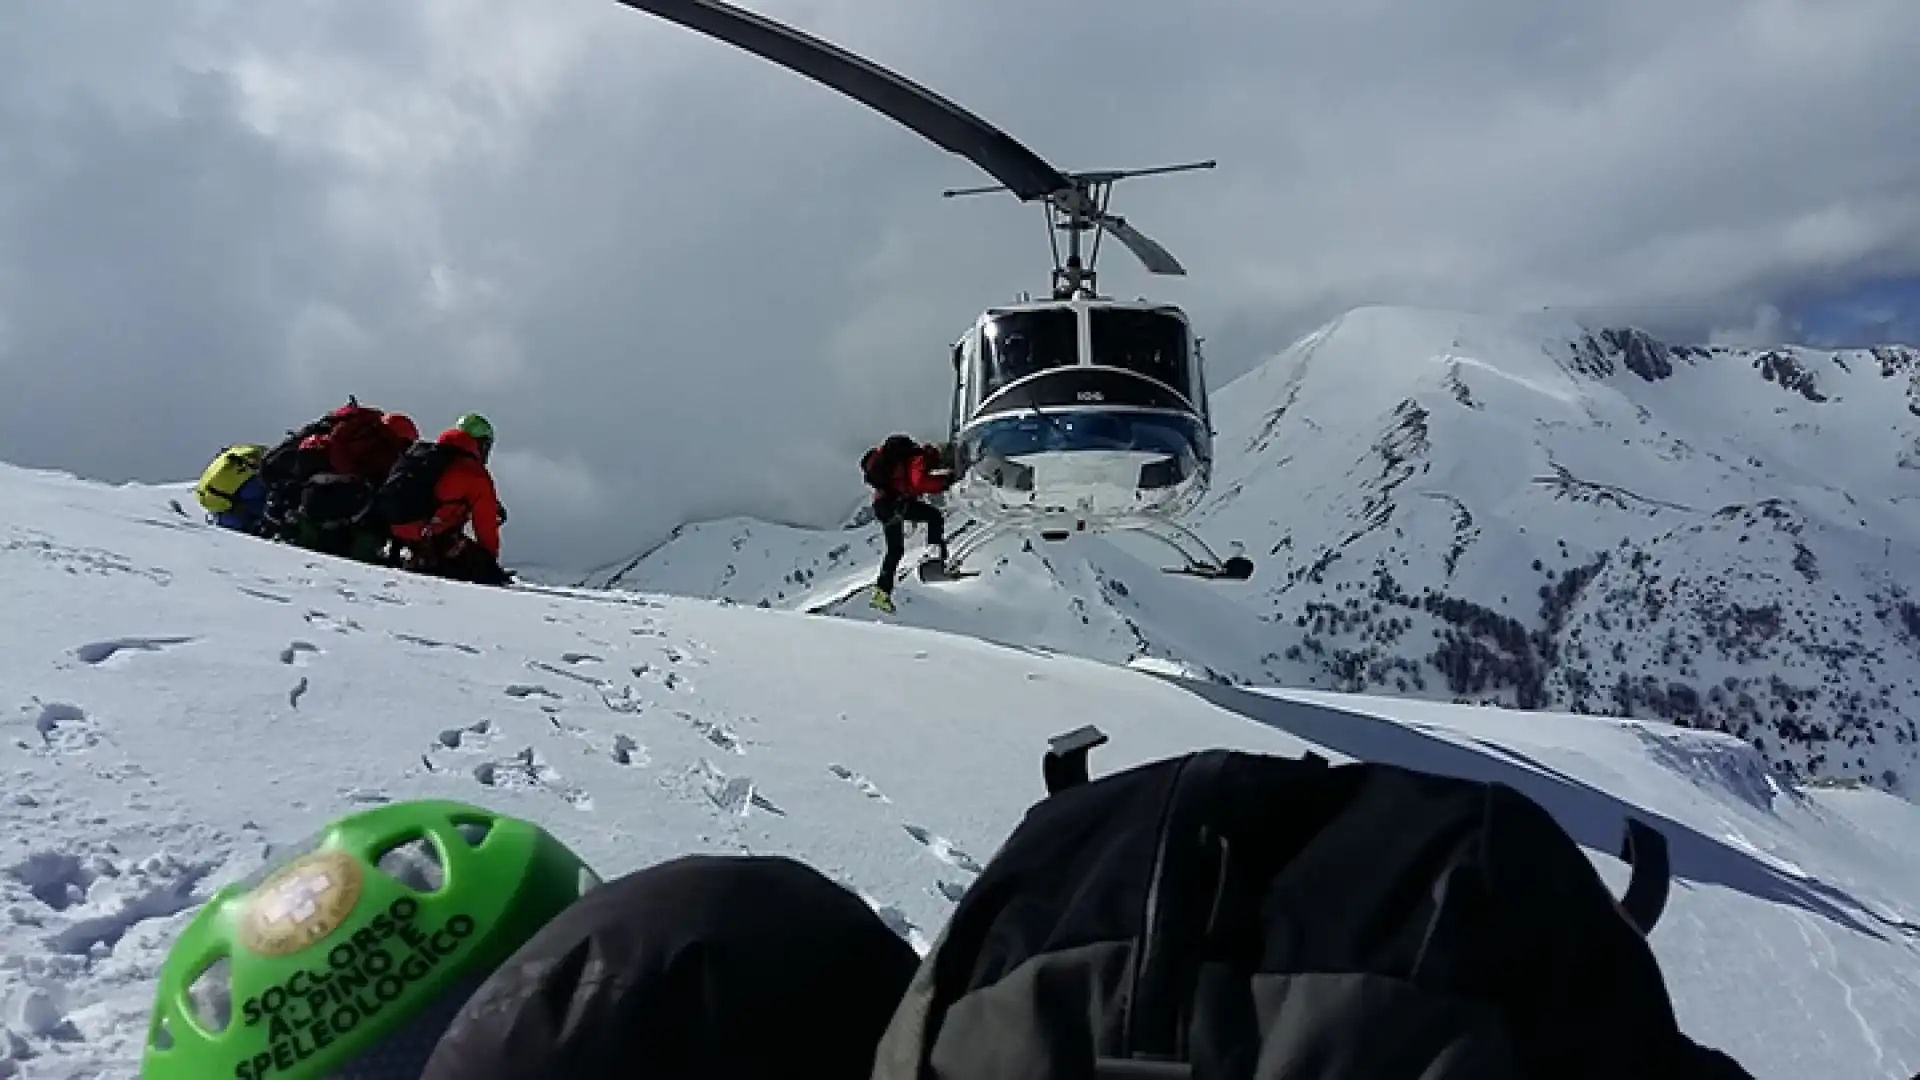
(685,282)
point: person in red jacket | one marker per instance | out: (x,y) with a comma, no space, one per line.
(900,471)
(362,442)
(402,432)
(328,490)
(462,494)
(353,446)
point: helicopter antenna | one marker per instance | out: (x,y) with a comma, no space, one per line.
(1076,202)
(1082,207)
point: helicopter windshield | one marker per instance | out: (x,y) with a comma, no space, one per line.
(1018,343)
(1150,343)
(1180,440)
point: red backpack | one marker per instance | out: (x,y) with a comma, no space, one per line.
(881,464)
(356,441)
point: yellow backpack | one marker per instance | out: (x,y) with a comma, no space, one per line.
(234,466)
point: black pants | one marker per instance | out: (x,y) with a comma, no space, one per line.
(893,512)
(454,556)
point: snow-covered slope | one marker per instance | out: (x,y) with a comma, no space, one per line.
(1517,511)
(179,701)
(183,700)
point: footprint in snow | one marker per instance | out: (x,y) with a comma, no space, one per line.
(165,523)
(93,561)
(628,752)
(99,652)
(118,895)
(296,652)
(261,594)
(675,655)
(943,849)
(624,749)
(335,623)
(541,665)
(63,727)
(433,643)
(865,785)
(57,879)
(622,699)
(720,735)
(355,596)
(735,795)
(458,738)
(897,921)
(715,732)
(672,680)
(527,770)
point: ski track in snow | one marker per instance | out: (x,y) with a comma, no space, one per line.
(895,760)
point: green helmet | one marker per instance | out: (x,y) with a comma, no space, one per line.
(481,429)
(350,956)
(476,425)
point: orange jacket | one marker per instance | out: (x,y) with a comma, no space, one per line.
(466,493)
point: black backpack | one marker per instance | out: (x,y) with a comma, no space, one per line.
(1241,916)
(407,497)
(335,501)
(286,467)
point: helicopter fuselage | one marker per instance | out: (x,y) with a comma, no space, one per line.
(1081,414)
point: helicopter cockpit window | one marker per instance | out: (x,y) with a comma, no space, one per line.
(1150,343)
(1019,343)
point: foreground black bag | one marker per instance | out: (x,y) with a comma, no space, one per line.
(1235,915)
(704,967)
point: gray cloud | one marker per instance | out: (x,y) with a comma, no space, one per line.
(685,282)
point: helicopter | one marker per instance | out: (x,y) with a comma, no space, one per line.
(1073,414)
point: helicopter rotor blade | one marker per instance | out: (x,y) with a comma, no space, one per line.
(982,190)
(915,107)
(1108,176)
(1156,259)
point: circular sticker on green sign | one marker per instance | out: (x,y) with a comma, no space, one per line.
(301,903)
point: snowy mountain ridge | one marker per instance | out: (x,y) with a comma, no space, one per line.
(1519,511)
(183,703)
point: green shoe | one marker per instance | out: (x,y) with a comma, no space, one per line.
(882,599)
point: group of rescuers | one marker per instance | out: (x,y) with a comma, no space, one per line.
(360,483)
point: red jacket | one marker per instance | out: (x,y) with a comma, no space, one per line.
(466,494)
(919,475)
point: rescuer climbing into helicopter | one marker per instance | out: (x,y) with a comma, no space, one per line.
(901,471)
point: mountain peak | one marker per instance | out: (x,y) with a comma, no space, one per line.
(1524,511)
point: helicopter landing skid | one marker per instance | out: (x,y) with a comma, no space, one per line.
(1200,560)
(934,572)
